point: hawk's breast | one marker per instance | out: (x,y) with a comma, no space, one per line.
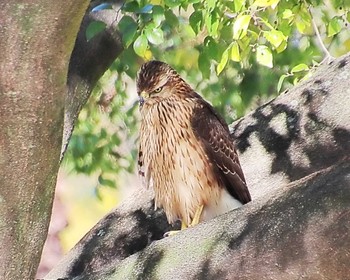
(175,163)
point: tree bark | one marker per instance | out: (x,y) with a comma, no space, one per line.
(295,155)
(89,61)
(37,38)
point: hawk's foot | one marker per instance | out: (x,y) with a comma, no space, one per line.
(173,232)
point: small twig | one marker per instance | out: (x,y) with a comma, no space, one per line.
(328,57)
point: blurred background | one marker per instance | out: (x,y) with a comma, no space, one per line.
(237,54)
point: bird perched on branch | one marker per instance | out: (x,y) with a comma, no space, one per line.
(186,152)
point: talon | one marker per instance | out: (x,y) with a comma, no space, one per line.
(170,233)
(173,232)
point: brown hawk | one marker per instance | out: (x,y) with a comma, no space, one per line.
(186,152)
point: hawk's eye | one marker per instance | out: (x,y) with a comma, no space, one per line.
(157,90)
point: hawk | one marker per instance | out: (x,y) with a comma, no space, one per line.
(186,152)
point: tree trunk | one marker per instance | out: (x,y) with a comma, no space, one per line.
(37,38)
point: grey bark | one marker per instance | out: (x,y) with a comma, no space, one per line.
(36,107)
(295,154)
(89,61)
(37,38)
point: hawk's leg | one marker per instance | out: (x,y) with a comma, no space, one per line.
(195,221)
(197,215)
(172,232)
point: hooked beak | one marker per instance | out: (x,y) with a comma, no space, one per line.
(143,95)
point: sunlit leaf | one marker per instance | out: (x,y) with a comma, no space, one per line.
(238,4)
(223,62)
(211,4)
(303,21)
(264,56)
(266,3)
(287,14)
(275,37)
(154,34)
(212,23)
(300,67)
(235,54)
(141,45)
(280,82)
(281,47)
(240,26)
(333,27)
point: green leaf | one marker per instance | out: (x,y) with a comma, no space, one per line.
(239,4)
(235,54)
(204,65)
(141,45)
(266,3)
(158,15)
(287,14)
(212,23)
(132,6)
(223,62)
(333,27)
(196,21)
(299,68)
(172,3)
(106,182)
(275,37)
(264,56)
(128,28)
(303,21)
(226,32)
(154,35)
(170,18)
(210,4)
(280,82)
(94,28)
(240,26)
(282,47)
(212,48)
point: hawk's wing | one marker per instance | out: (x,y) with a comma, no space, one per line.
(213,133)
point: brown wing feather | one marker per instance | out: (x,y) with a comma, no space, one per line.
(213,133)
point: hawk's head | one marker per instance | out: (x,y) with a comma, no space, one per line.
(157,80)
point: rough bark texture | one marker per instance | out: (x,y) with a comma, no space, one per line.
(37,38)
(295,154)
(89,61)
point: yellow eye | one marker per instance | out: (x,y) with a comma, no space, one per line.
(158,90)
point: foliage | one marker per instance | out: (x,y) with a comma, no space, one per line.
(236,53)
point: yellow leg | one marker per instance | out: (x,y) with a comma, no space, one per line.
(195,221)
(197,215)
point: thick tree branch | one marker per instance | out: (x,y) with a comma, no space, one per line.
(89,61)
(298,228)
(37,39)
